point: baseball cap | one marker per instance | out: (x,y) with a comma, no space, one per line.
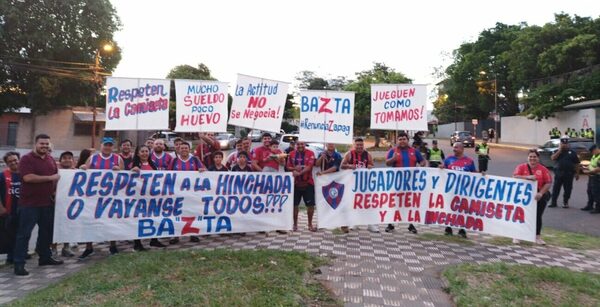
(593,147)
(108,140)
(434,142)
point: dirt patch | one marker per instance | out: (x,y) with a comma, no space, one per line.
(483,280)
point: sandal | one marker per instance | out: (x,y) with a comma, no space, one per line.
(312,228)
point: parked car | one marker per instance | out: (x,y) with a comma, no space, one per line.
(226,140)
(256,135)
(579,145)
(285,139)
(464,137)
(169,138)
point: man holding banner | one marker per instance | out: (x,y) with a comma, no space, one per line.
(106,160)
(459,162)
(403,156)
(356,159)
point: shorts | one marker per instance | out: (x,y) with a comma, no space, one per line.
(306,193)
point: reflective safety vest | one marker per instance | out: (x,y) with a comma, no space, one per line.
(594,162)
(483,149)
(435,155)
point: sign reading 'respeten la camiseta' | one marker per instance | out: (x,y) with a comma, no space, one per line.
(137,104)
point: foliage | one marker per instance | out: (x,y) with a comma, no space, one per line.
(48,50)
(199,278)
(542,68)
(311,81)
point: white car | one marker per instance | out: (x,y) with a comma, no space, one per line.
(168,136)
(284,143)
(226,140)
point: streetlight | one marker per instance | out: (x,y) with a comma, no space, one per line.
(98,82)
(483,73)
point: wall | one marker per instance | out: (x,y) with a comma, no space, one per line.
(59,125)
(444,131)
(521,130)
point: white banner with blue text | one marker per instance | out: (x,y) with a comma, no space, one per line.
(487,204)
(100,205)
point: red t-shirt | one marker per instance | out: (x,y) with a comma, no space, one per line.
(37,194)
(305,158)
(261,153)
(542,175)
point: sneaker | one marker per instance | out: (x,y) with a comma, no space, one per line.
(412,228)
(66,253)
(50,261)
(174,241)
(390,228)
(156,243)
(86,254)
(448,231)
(566,205)
(595,211)
(281,232)
(373,228)
(539,241)
(516,241)
(113,250)
(552,205)
(462,233)
(587,208)
(54,252)
(194,239)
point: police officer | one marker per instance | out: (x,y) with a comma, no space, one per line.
(567,168)
(593,188)
(435,155)
(483,155)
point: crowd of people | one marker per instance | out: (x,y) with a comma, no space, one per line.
(27,186)
(587,133)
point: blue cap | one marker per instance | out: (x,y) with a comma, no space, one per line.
(106,140)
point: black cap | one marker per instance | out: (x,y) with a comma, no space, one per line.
(434,142)
(593,147)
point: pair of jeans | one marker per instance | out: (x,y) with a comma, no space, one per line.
(28,218)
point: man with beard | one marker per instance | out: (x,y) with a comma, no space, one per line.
(36,204)
(160,157)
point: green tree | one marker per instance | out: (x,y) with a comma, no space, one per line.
(48,51)
(379,74)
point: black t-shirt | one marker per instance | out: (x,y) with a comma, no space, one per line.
(237,168)
(214,169)
(566,161)
(12,191)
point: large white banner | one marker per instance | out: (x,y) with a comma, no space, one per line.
(99,205)
(398,106)
(201,106)
(326,116)
(489,204)
(258,103)
(137,104)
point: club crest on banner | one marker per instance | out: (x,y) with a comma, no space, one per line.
(333,193)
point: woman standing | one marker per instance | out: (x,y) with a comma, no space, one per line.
(533,170)
(142,162)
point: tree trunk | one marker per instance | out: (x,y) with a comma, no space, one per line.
(377,138)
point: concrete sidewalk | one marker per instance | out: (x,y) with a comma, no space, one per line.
(367,269)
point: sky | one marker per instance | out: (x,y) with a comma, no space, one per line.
(278,39)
